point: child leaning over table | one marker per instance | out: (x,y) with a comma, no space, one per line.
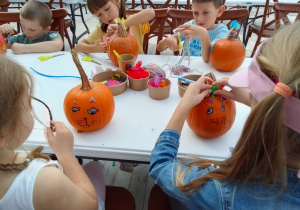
(107,11)
(200,33)
(33,181)
(264,167)
(35,19)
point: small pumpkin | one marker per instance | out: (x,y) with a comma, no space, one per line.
(213,116)
(228,54)
(122,43)
(89,106)
(3,46)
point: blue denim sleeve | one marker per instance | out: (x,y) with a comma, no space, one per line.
(163,168)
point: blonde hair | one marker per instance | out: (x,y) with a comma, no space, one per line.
(36,10)
(260,155)
(14,80)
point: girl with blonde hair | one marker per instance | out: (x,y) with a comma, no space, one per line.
(263,169)
(33,181)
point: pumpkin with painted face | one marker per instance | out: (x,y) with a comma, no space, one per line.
(3,46)
(212,117)
(89,106)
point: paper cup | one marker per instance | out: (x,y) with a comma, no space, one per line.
(106,75)
(159,93)
(182,88)
(138,84)
(128,61)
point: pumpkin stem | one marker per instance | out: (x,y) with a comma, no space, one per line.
(85,82)
(121,30)
(211,75)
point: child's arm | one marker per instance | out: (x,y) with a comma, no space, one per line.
(141,17)
(169,42)
(6,29)
(193,96)
(194,31)
(71,189)
(41,47)
(85,47)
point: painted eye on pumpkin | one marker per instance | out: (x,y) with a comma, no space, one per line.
(75,109)
(210,110)
(92,111)
(223,108)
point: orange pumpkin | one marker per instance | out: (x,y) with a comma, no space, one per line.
(89,106)
(213,117)
(227,54)
(3,46)
(122,43)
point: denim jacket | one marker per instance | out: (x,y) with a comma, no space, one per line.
(215,194)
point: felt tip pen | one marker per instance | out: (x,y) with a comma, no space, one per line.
(185,80)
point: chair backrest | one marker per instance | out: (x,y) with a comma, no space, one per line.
(179,16)
(4,5)
(58,16)
(281,13)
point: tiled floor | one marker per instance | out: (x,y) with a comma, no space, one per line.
(138,182)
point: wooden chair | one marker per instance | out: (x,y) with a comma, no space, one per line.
(180,17)
(262,30)
(4,7)
(58,16)
(118,198)
(68,24)
(281,12)
(158,199)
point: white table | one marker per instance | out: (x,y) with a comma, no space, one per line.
(138,120)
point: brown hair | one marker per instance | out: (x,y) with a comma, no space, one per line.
(217,3)
(14,80)
(265,144)
(36,10)
(95,5)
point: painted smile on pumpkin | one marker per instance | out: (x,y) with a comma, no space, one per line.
(83,123)
(218,121)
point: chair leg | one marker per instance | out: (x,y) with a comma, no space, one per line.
(256,45)
(68,38)
(247,38)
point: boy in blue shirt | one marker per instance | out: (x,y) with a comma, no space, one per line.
(201,32)
(35,19)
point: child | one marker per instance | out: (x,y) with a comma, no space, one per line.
(263,168)
(107,11)
(200,33)
(32,181)
(35,20)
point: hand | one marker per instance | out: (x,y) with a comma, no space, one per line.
(241,95)
(191,31)
(172,43)
(62,142)
(18,48)
(196,92)
(111,29)
(6,28)
(100,46)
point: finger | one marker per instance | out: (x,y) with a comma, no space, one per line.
(226,94)
(48,135)
(206,92)
(223,81)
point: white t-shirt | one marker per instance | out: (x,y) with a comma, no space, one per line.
(20,194)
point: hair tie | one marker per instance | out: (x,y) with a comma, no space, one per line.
(283,90)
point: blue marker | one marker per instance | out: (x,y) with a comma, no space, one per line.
(185,80)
